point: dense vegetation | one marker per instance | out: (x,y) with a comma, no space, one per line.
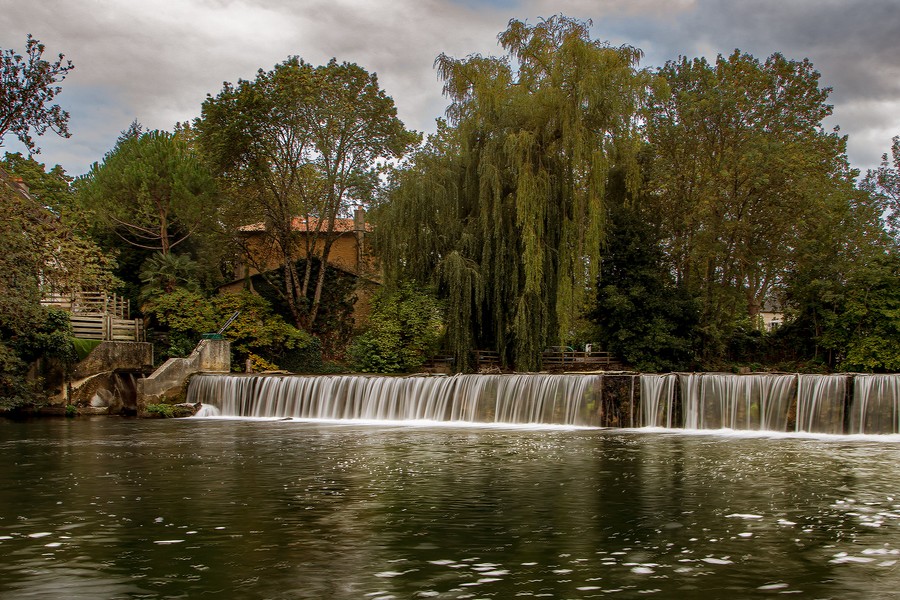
(571,196)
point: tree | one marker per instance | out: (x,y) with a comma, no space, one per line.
(301,142)
(883,183)
(184,315)
(53,188)
(646,318)
(39,254)
(504,207)
(841,287)
(64,257)
(740,163)
(162,273)
(152,191)
(27,86)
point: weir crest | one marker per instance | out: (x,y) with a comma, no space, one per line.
(832,404)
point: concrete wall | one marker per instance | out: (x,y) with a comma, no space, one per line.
(135,357)
(167,383)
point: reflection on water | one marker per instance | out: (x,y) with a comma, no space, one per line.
(248,509)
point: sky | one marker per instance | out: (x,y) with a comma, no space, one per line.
(156,60)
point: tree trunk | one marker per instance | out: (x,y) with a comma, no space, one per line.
(320,281)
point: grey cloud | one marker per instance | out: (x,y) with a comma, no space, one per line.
(157,60)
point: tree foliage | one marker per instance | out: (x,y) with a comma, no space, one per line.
(162,273)
(301,142)
(151,190)
(404,329)
(505,206)
(29,236)
(186,315)
(740,163)
(840,286)
(28,84)
(646,317)
(63,256)
(883,184)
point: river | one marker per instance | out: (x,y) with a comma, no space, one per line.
(119,508)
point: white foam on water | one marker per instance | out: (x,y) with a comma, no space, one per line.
(892,438)
(717,561)
(412,423)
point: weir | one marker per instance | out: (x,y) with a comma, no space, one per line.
(519,399)
(831,404)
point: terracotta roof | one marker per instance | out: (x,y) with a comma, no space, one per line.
(300,224)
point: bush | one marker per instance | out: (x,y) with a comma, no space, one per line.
(404,329)
(187,315)
(165,411)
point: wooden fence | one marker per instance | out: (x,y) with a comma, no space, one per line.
(91,303)
(97,316)
(553,360)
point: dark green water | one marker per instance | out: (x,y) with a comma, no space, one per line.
(110,508)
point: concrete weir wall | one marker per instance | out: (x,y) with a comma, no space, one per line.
(166,384)
(133,357)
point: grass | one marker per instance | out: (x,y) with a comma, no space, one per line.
(84,347)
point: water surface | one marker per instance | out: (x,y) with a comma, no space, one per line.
(115,508)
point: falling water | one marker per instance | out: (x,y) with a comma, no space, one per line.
(820,403)
(522,399)
(755,402)
(876,404)
(773,402)
(658,399)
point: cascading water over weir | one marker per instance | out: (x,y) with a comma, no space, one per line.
(520,399)
(831,404)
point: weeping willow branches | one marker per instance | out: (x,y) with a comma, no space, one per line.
(503,208)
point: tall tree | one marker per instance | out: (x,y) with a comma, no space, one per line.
(152,190)
(302,142)
(27,87)
(646,318)
(506,205)
(40,253)
(883,184)
(64,258)
(740,162)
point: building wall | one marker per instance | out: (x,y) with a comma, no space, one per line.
(348,252)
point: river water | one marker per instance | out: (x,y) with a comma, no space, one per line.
(118,508)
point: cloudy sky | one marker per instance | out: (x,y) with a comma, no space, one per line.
(156,60)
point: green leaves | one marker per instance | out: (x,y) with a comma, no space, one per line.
(503,210)
(404,329)
(27,86)
(738,167)
(152,190)
(186,316)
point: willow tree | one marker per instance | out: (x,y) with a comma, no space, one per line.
(505,205)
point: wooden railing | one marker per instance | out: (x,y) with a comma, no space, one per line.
(98,316)
(580,359)
(90,303)
(554,360)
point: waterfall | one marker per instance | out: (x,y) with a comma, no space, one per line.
(767,402)
(820,403)
(658,399)
(522,399)
(876,404)
(719,400)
